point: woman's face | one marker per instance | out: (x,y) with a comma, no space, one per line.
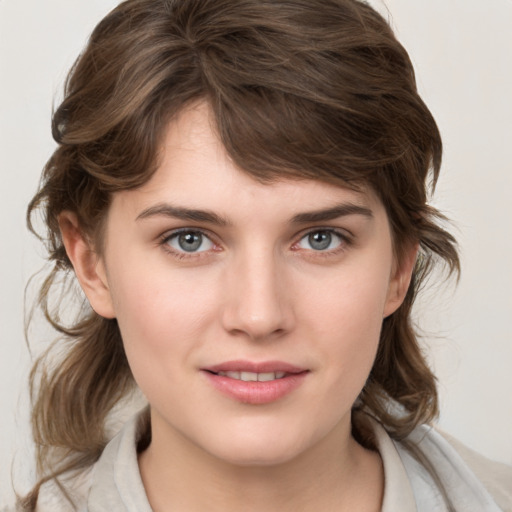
(250,313)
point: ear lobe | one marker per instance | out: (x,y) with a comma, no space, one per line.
(400,280)
(89,267)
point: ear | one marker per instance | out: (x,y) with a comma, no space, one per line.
(400,280)
(89,267)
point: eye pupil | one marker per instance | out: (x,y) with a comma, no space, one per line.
(190,242)
(320,240)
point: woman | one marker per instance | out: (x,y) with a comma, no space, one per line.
(240,190)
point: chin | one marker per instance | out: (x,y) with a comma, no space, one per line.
(259,449)
(256,457)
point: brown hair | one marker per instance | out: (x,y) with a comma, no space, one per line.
(318,90)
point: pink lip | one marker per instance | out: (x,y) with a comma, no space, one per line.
(255,393)
(249,366)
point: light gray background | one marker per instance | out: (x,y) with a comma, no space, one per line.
(462,50)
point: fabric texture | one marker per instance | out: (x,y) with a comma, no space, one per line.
(472,483)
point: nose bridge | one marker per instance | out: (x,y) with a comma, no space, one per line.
(258,301)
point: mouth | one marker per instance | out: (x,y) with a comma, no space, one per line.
(255,383)
(253,376)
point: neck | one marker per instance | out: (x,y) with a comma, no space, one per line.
(337,474)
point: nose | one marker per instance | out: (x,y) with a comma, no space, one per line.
(258,303)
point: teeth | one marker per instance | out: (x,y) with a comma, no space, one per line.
(252,376)
(249,376)
(264,377)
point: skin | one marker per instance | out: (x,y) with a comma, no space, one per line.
(257,289)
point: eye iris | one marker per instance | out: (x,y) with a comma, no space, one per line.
(190,242)
(320,240)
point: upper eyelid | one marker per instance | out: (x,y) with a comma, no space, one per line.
(172,232)
(346,241)
(342,232)
(167,236)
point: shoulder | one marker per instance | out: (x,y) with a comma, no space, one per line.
(96,487)
(462,474)
(429,471)
(496,477)
(68,494)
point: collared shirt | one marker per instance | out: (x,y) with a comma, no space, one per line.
(114,483)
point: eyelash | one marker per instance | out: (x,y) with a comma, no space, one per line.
(345,240)
(167,237)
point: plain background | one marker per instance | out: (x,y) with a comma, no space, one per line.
(462,51)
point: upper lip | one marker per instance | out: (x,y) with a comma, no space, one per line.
(254,367)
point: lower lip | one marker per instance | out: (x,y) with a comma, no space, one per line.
(256,393)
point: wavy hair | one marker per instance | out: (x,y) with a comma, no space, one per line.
(298,89)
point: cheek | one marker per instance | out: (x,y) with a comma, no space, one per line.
(160,313)
(347,315)
(350,303)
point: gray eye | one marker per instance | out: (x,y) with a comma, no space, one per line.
(190,241)
(320,240)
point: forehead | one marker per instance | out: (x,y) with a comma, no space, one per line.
(195,171)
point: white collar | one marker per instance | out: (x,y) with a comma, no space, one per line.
(117,483)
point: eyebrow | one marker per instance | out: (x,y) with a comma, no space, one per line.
(341,210)
(176,212)
(195,215)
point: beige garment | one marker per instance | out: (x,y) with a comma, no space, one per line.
(473,483)
(496,477)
